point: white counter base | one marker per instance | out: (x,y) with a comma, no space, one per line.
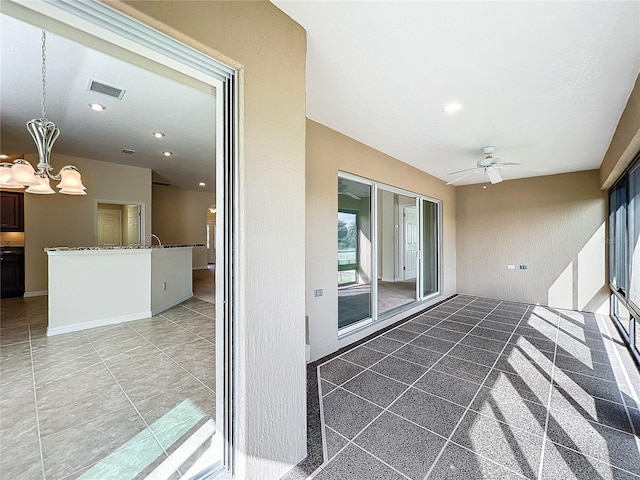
(96,288)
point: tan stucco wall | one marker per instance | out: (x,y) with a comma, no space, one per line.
(328,152)
(555,225)
(625,143)
(70,220)
(270,50)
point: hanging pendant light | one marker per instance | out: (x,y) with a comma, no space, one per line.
(44,134)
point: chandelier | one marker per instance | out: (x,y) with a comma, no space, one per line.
(20,174)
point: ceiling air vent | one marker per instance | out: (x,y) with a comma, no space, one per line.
(104,89)
(128,151)
(162,184)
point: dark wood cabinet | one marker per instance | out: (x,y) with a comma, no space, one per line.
(11,272)
(12,211)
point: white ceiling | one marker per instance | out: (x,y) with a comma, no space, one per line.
(545,82)
(151,103)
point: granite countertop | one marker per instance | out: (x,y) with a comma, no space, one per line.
(123,247)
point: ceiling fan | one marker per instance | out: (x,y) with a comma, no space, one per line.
(490,166)
(343,190)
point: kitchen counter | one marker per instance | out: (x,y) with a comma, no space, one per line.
(96,286)
(123,247)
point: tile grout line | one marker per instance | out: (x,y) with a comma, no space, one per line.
(548,406)
(175,361)
(630,385)
(410,386)
(449,439)
(35,401)
(147,427)
(350,441)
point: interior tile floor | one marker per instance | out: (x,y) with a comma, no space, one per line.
(479,388)
(104,403)
(354,301)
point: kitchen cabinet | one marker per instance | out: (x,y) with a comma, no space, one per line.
(12,211)
(11,272)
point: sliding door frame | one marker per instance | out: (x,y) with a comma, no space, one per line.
(419,297)
(104,26)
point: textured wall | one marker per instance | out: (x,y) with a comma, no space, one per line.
(270,49)
(625,143)
(69,220)
(327,152)
(555,225)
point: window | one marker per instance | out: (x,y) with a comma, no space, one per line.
(348,252)
(624,255)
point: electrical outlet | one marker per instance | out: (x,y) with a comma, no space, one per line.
(523,267)
(164,286)
(511,267)
(318,293)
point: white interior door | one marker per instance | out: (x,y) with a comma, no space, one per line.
(211,245)
(133,224)
(410,230)
(109,228)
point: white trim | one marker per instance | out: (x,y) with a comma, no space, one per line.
(200,268)
(98,323)
(37,293)
(173,303)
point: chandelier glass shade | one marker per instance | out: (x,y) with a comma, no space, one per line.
(21,174)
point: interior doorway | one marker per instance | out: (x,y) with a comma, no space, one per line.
(118,224)
(171,433)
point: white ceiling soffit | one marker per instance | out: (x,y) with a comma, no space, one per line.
(545,82)
(151,103)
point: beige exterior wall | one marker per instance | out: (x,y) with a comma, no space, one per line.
(625,143)
(555,225)
(180,216)
(327,153)
(270,50)
(70,220)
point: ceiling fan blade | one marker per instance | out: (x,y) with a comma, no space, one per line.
(506,164)
(475,170)
(463,171)
(352,195)
(493,175)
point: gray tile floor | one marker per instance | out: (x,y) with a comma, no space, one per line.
(478,388)
(103,403)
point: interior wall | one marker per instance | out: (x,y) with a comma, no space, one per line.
(328,152)
(554,225)
(180,216)
(270,49)
(69,220)
(625,143)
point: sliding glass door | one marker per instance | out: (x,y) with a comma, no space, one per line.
(402,256)
(354,252)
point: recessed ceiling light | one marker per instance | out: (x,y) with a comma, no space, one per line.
(158,134)
(4,157)
(167,153)
(97,107)
(452,107)
(202,184)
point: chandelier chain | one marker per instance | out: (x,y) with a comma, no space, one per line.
(44,73)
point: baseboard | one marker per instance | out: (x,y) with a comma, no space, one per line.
(173,303)
(41,293)
(97,323)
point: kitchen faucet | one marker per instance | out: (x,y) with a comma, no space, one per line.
(151,235)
